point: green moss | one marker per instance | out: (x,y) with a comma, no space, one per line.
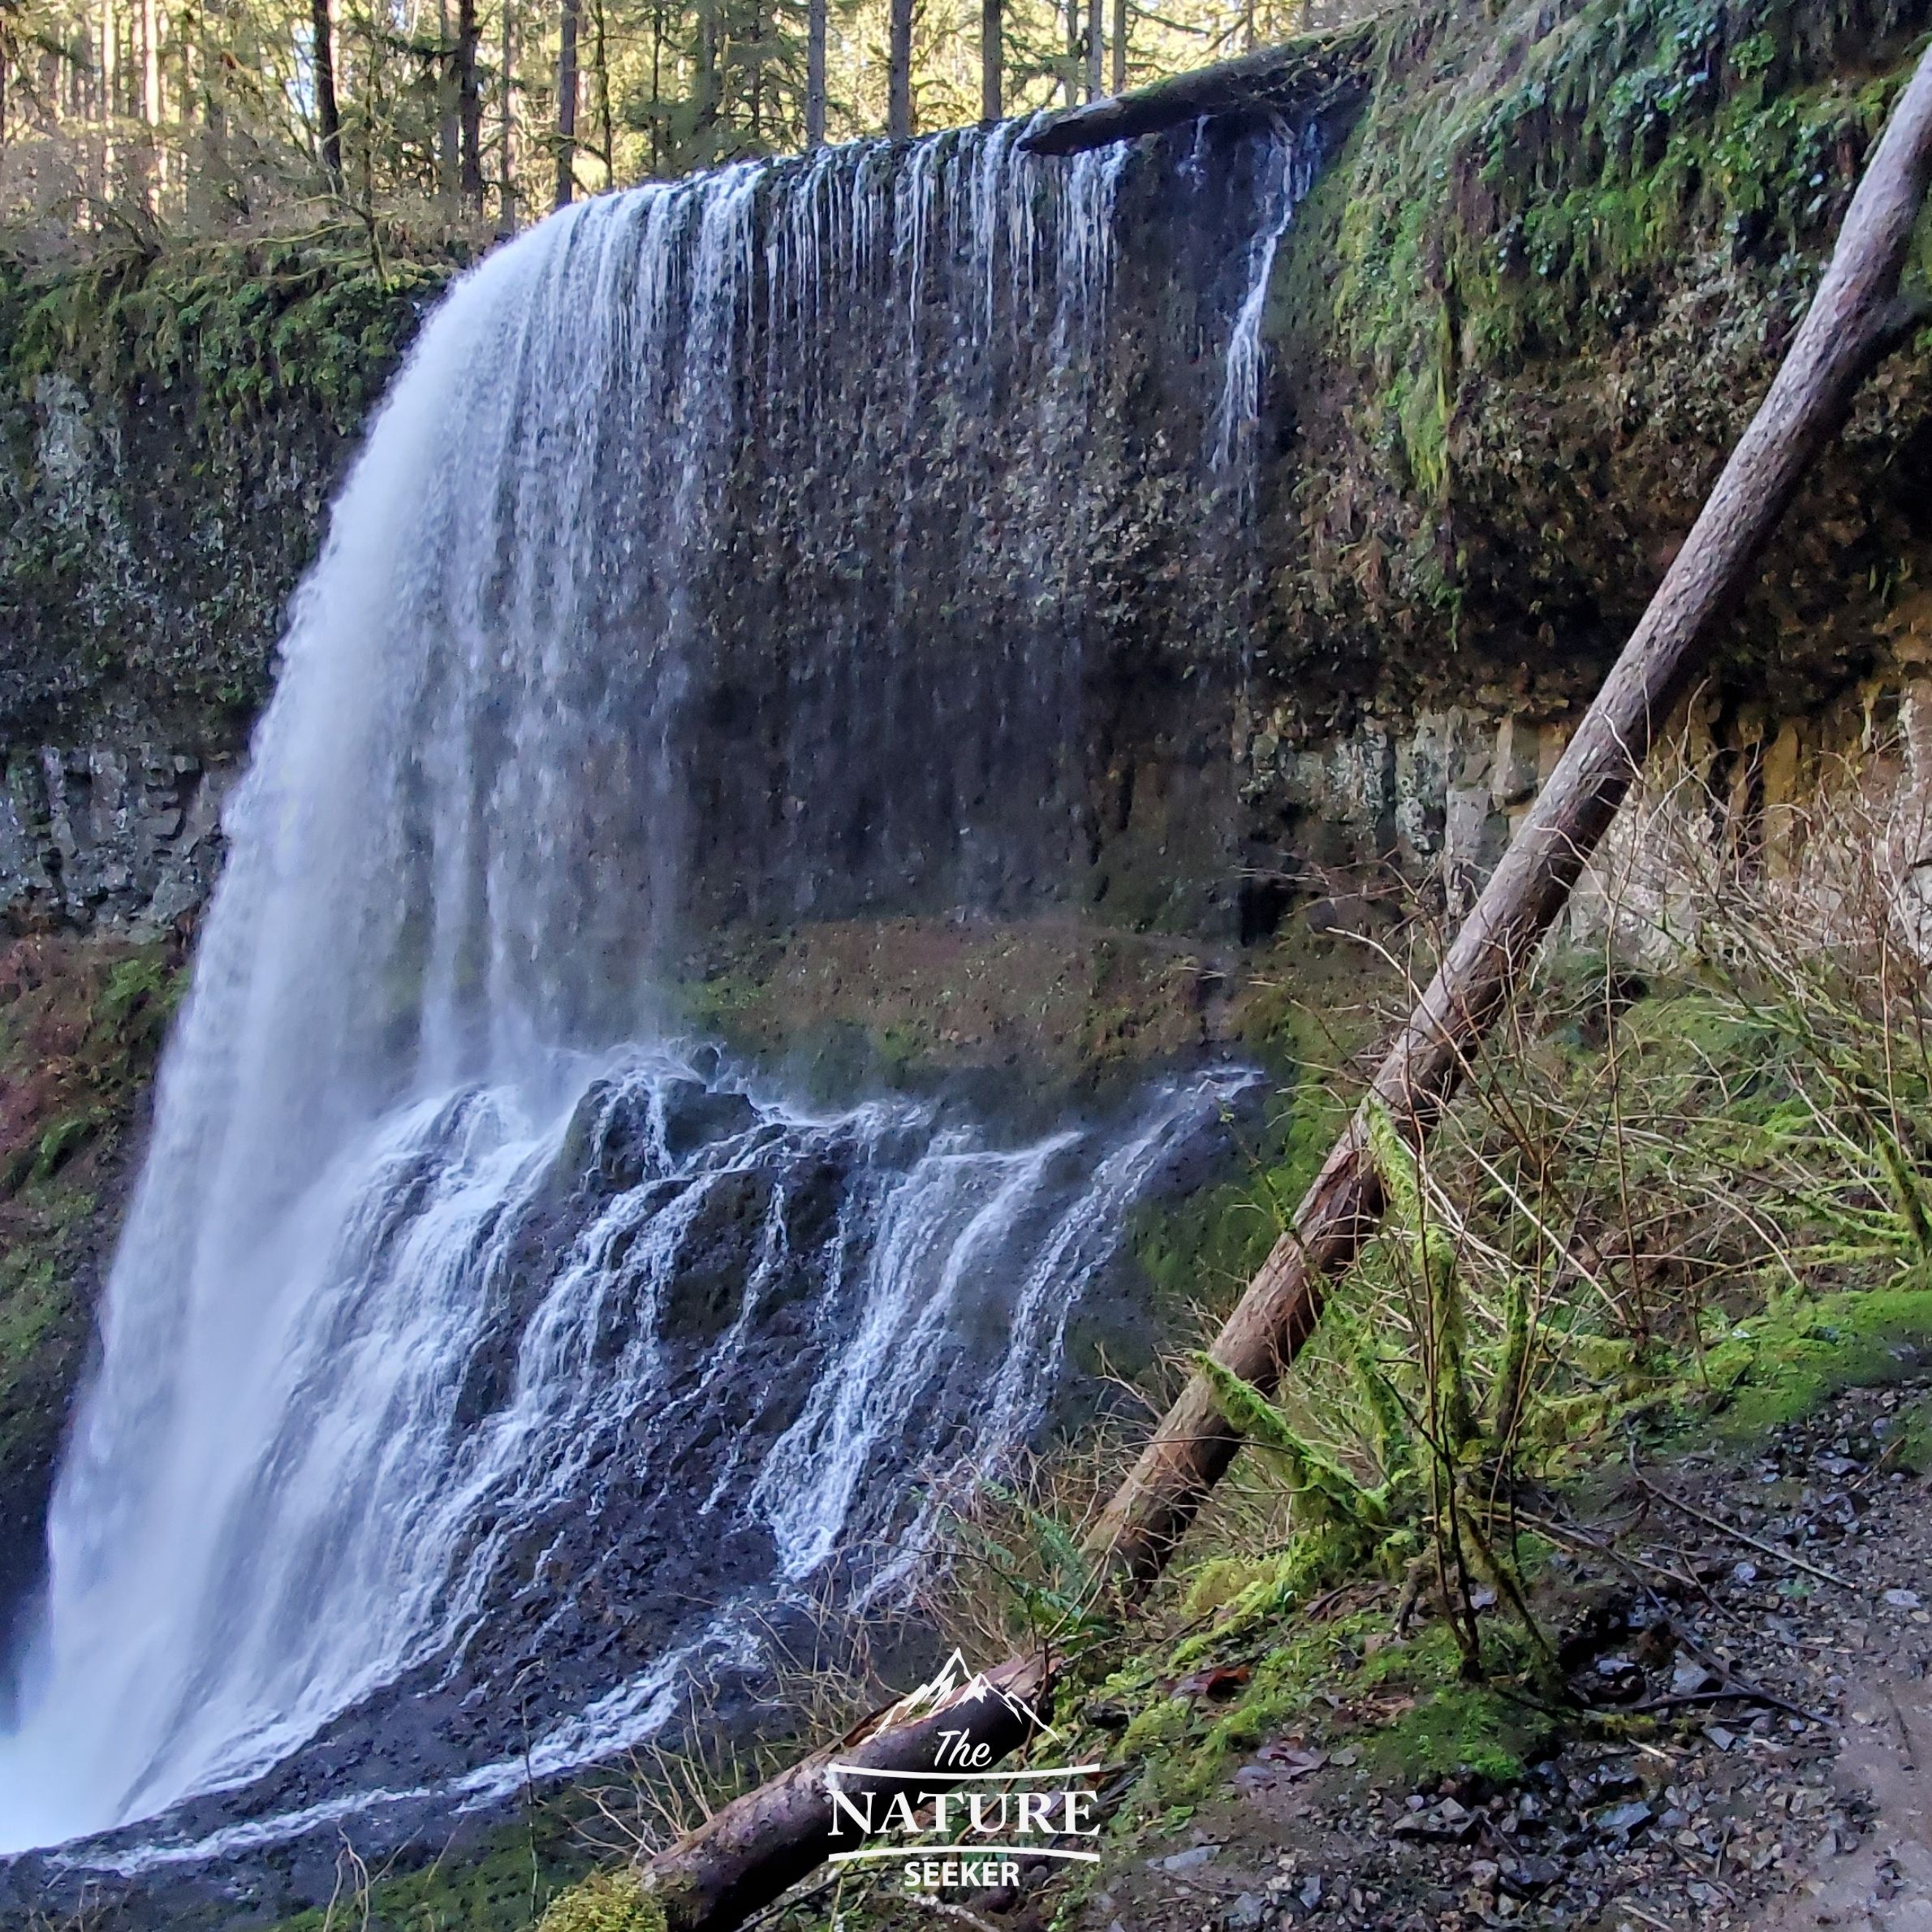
(246,331)
(80,1025)
(36,1310)
(510,1882)
(1461,1729)
(1205,1248)
(1521,187)
(1913,1432)
(605,1902)
(208,387)
(1779,1366)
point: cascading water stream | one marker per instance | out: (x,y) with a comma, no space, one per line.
(468,1319)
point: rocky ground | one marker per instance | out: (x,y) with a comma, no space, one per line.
(1756,1642)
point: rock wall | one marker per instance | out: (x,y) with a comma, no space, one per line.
(1511,338)
(172,428)
(119,837)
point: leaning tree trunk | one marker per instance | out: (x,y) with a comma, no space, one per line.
(1855,316)
(711,1880)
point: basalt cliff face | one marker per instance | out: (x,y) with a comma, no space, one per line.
(1538,284)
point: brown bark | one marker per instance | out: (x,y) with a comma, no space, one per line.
(1305,79)
(469,106)
(898,71)
(150,63)
(506,159)
(606,120)
(1096,48)
(993,33)
(708,96)
(815,40)
(328,114)
(1123,14)
(448,122)
(747,1856)
(753,1850)
(567,104)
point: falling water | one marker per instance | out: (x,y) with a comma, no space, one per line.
(470,1321)
(1298,155)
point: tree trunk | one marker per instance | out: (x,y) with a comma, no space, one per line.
(469,107)
(899,71)
(153,160)
(750,1852)
(567,104)
(705,146)
(1123,14)
(449,120)
(815,39)
(328,111)
(747,1855)
(1095,49)
(109,93)
(601,74)
(993,31)
(150,63)
(506,160)
(658,141)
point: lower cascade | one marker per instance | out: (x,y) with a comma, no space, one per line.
(474,1324)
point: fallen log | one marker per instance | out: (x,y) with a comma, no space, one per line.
(755,1848)
(1315,77)
(761,1844)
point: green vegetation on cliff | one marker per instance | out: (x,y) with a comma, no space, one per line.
(172,418)
(80,1027)
(1523,315)
(241,335)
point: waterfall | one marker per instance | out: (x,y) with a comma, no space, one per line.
(471,1320)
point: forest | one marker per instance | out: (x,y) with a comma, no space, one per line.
(211,112)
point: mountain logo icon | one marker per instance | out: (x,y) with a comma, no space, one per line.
(955,1683)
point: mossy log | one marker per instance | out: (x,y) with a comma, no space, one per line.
(755,1848)
(1315,77)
